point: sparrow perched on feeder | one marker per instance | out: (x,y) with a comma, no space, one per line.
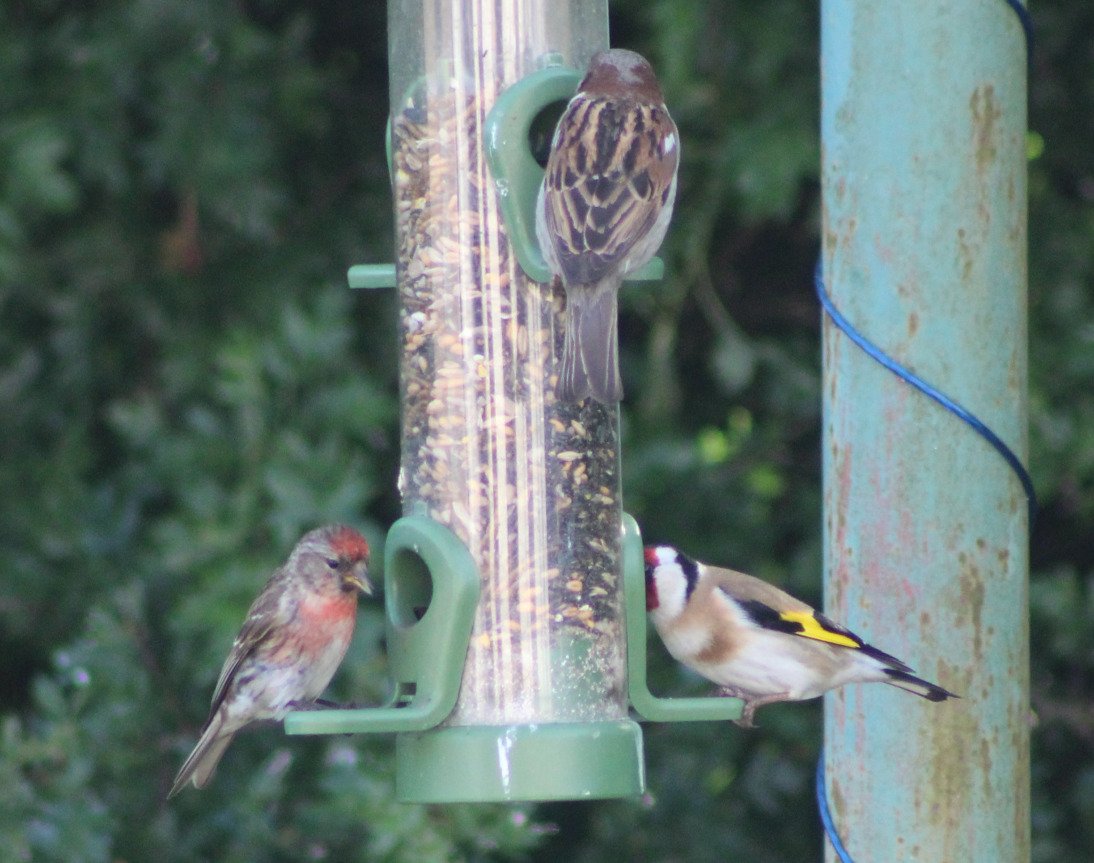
(756,642)
(295,636)
(603,209)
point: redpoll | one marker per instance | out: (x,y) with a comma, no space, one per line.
(294,638)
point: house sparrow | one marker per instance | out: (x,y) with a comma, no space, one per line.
(756,642)
(293,639)
(603,209)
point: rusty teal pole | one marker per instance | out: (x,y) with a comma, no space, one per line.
(923,124)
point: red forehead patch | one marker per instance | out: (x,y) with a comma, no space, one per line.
(348,543)
(651,555)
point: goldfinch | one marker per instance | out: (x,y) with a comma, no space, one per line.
(756,642)
(603,208)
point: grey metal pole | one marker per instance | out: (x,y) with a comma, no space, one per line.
(926,534)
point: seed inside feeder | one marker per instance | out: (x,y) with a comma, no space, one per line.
(529,484)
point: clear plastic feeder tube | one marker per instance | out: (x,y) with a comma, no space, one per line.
(530,485)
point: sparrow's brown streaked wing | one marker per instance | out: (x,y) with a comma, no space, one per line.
(607,181)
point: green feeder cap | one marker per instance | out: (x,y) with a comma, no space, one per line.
(557,761)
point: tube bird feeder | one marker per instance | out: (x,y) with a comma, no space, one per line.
(528,485)
(506,607)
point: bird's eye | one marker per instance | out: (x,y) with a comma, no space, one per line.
(332,563)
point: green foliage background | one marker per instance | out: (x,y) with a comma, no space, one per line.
(186,385)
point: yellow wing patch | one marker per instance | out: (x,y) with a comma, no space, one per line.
(813,628)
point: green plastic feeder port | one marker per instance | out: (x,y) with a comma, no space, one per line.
(555,761)
(649,707)
(516,174)
(431,588)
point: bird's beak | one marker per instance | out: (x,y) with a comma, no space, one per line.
(358,578)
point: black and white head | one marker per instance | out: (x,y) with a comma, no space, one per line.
(671,577)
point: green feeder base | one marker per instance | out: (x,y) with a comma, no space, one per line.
(551,761)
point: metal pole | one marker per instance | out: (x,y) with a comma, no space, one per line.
(924,177)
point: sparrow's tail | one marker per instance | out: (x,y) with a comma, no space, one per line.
(911,683)
(199,767)
(590,356)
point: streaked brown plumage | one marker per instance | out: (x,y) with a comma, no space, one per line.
(292,641)
(757,642)
(603,209)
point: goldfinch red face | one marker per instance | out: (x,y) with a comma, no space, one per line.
(604,207)
(670,578)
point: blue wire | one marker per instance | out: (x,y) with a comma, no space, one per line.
(949,404)
(826,815)
(1026,20)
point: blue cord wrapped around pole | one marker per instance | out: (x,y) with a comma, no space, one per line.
(926,529)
